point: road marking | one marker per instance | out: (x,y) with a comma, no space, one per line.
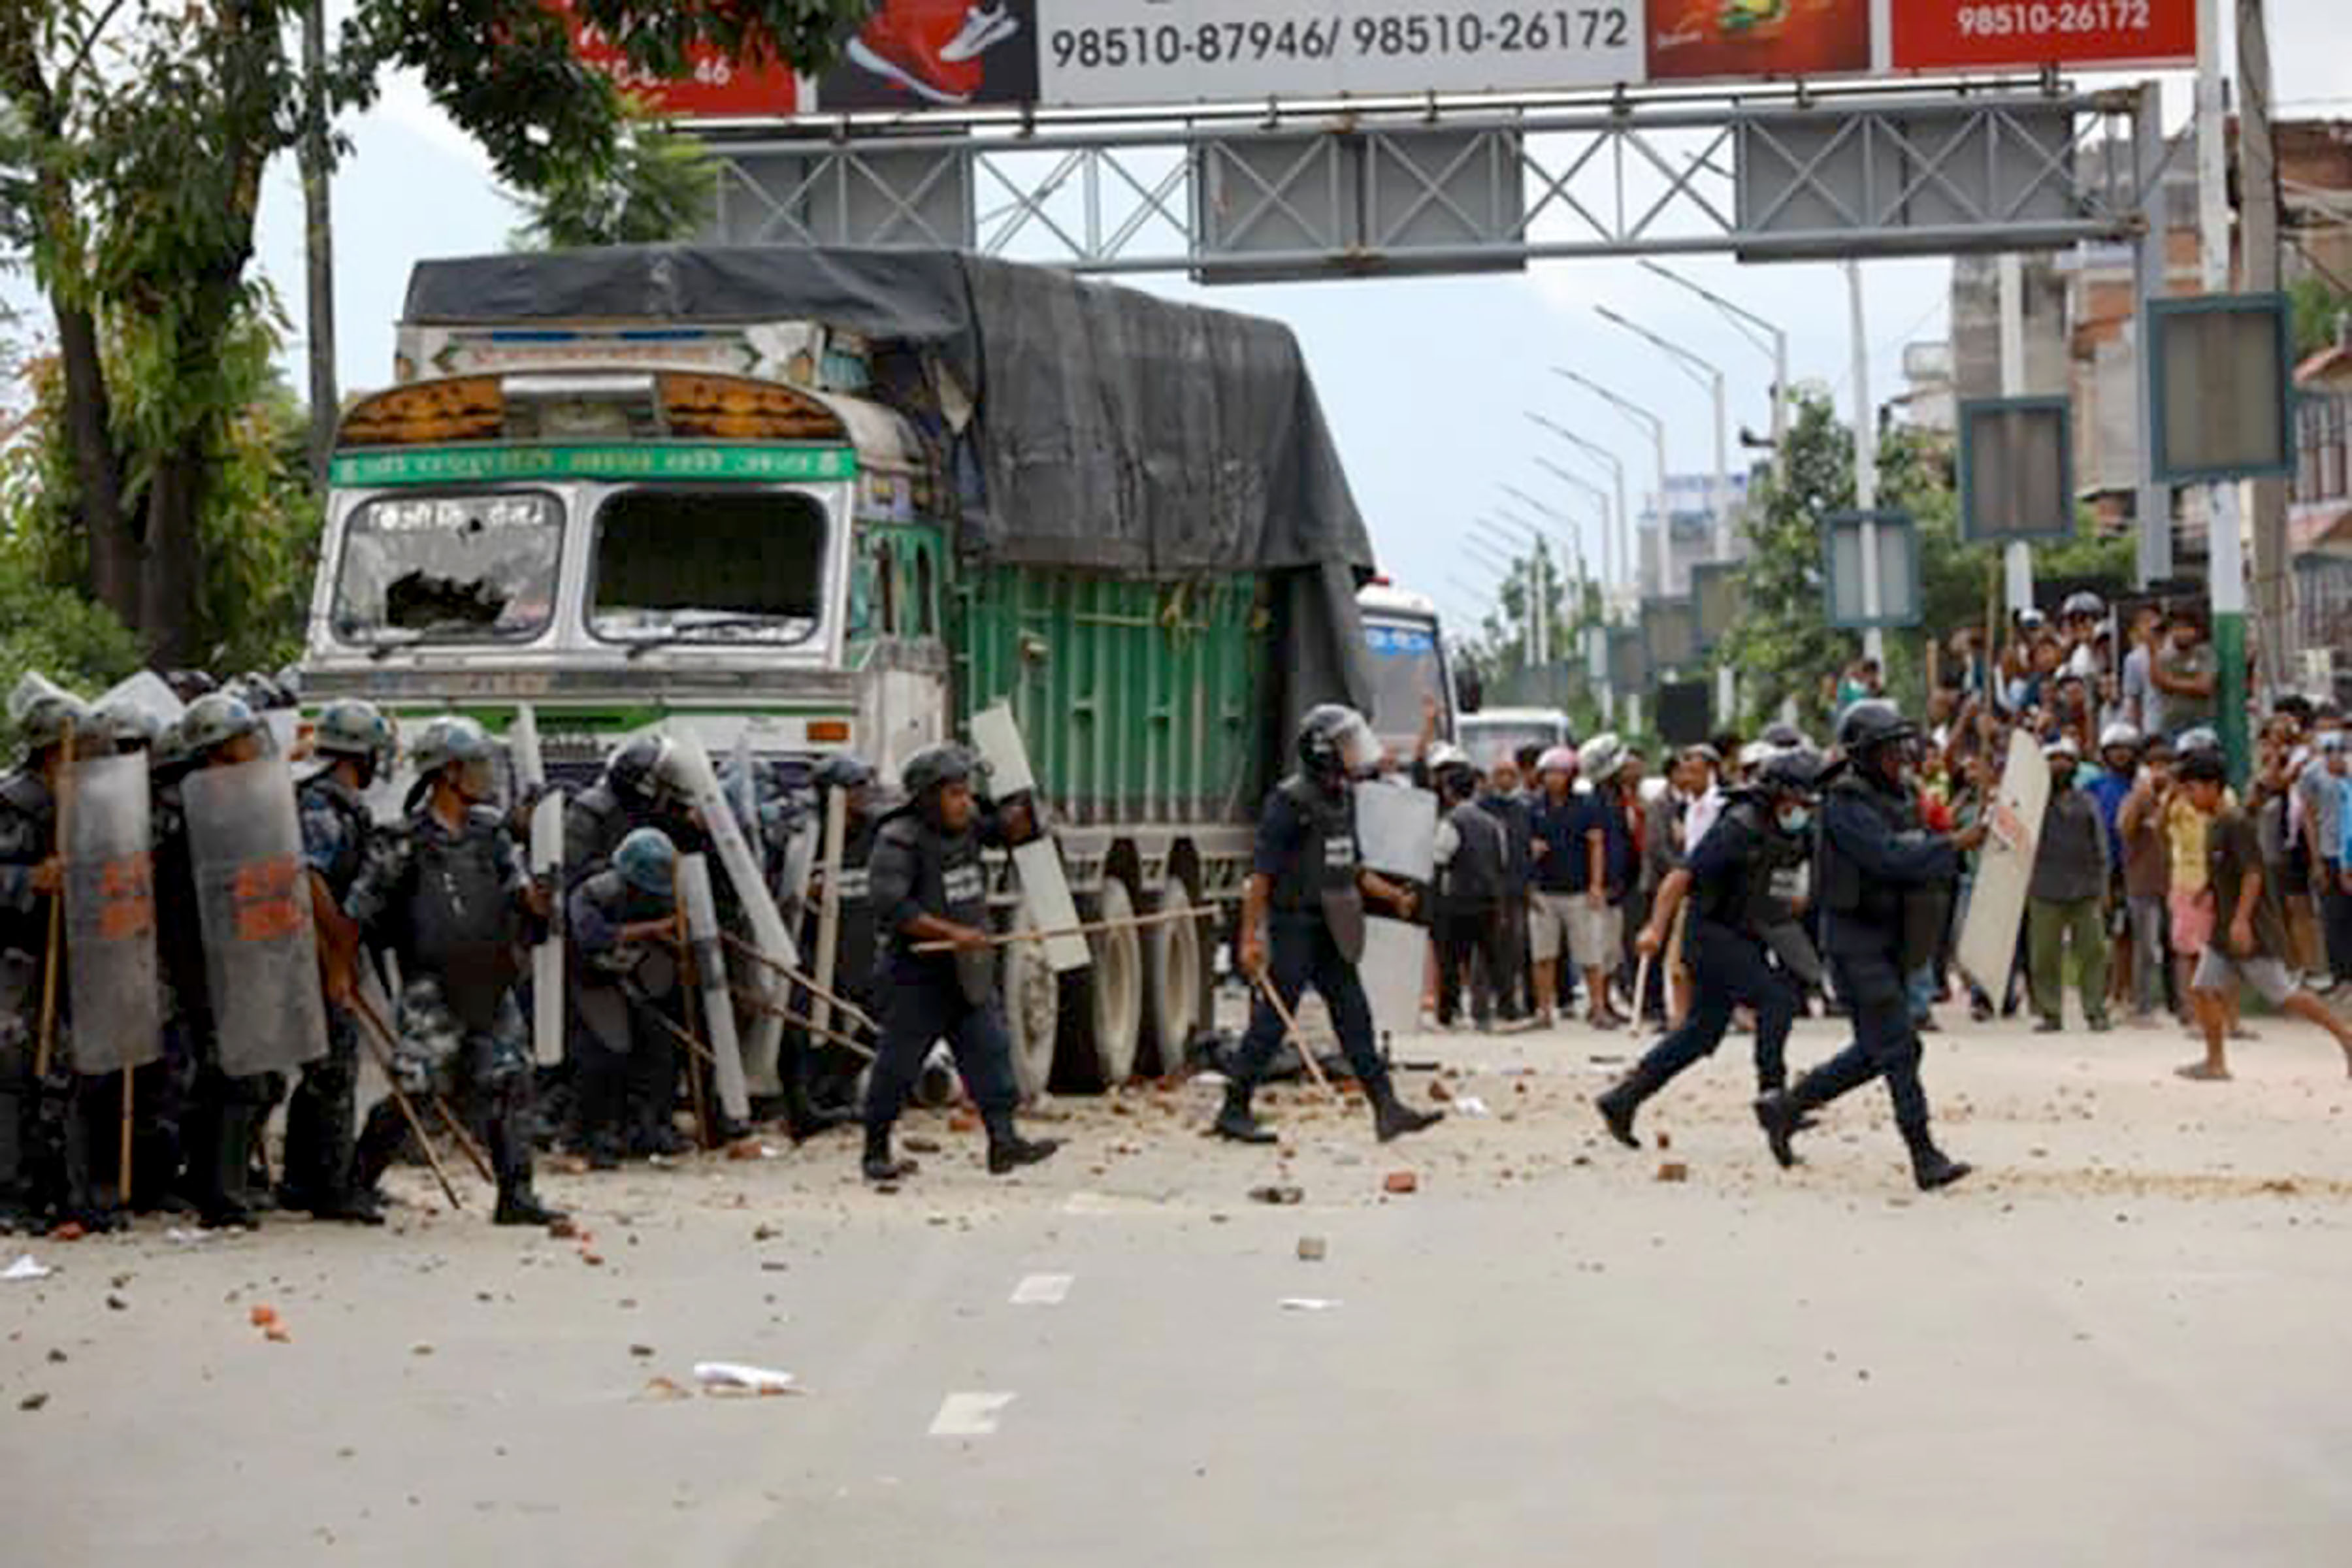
(969,1415)
(1042,1291)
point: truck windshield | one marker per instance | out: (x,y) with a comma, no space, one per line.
(678,565)
(454,567)
(1406,673)
(1491,742)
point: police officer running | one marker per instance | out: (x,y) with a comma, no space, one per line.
(1882,884)
(447,894)
(1307,888)
(355,740)
(1761,835)
(927,886)
(621,923)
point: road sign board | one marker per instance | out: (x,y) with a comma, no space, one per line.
(1899,569)
(1715,593)
(2017,470)
(2224,389)
(1972,34)
(1670,632)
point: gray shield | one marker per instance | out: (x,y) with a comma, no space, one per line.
(253,903)
(110,967)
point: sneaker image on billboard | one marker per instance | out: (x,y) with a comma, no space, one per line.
(952,53)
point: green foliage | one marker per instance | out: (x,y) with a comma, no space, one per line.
(56,631)
(657,185)
(2316,306)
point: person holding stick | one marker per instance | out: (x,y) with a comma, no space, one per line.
(447,893)
(42,1176)
(928,887)
(621,923)
(1303,923)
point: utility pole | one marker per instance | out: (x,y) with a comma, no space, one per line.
(1865,461)
(2258,184)
(2225,564)
(318,218)
(2017,557)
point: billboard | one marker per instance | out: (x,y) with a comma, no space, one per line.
(1972,34)
(717,88)
(914,55)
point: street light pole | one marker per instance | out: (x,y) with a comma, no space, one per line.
(1656,427)
(1709,375)
(1539,609)
(1600,499)
(1766,336)
(1616,467)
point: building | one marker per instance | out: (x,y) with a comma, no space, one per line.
(1930,398)
(2319,512)
(1690,510)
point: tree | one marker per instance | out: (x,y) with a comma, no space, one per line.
(133,138)
(657,186)
(1783,645)
(2316,307)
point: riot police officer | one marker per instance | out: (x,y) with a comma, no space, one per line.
(1303,920)
(639,788)
(621,923)
(1884,880)
(355,740)
(226,1110)
(38,1175)
(1732,879)
(929,886)
(447,894)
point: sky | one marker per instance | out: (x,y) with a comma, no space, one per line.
(1427,381)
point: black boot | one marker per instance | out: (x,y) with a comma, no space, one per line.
(1393,1118)
(1930,1166)
(880,1165)
(1618,1105)
(1234,1121)
(1008,1151)
(1782,1118)
(510,1141)
(228,1161)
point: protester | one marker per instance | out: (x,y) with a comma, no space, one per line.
(2065,903)
(2148,879)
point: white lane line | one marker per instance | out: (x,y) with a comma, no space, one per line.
(1042,1291)
(969,1415)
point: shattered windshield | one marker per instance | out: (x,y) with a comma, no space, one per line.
(449,567)
(679,565)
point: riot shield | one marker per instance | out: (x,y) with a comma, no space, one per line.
(710,969)
(253,906)
(1398,829)
(743,873)
(110,967)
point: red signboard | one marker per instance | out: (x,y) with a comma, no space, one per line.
(1693,40)
(717,89)
(1947,35)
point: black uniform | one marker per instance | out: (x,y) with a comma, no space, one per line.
(448,905)
(31,1173)
(1739,876)
(621,994)
(320,1120)
(1471,929)
(595,821)
(1307,846)
(816,1078)
(918,869)
(1882,882)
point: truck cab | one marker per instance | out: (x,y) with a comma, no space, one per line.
(1408,664)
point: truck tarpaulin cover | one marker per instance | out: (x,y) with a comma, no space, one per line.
(1115,431)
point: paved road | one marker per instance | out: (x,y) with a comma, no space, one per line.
(2126,1343)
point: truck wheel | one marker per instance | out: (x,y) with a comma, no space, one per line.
(1175,978)
(1108,1025)
(1033,1006)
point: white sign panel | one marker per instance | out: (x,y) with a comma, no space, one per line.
(1108,53)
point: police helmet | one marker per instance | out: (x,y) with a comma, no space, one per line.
(841,771)
(647,861)
(170,751)
(1793,770)
(187,685)
(641,770)
(934,767)
(45,722)
(1334,742)
(2122,735)
(1600,757)
(1780,734)
(128,726)
(215,719)
(452,738)
(351,728)
(1871,724)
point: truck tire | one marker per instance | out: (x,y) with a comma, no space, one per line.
(1175,981)
(1033,1006)
(1105,998)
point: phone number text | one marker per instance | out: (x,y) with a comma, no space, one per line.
(2044,17)
(1402,36)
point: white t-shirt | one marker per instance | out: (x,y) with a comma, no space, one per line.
(2139,689)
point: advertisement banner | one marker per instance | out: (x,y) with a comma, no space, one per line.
(1696,39)
(717,89)
(1953,35)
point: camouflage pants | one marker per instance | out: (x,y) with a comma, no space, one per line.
(437,1051)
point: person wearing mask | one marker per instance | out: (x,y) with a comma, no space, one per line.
(2148,878)
(2248,941)
(1302,924)
(1885,882)
(1729,882)
(1472,857)
(2065,899)
(1558,850)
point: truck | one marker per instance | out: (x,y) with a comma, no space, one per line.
(1410,668)
(800,501)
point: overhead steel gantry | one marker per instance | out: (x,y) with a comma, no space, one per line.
(1402,187)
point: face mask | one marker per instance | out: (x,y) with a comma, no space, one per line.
(1795,819)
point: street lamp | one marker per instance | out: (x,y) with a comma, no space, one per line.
(1657,429)
(1765,336)
(1709,375)
(1617,468)
(1571,542)
(1539,609)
